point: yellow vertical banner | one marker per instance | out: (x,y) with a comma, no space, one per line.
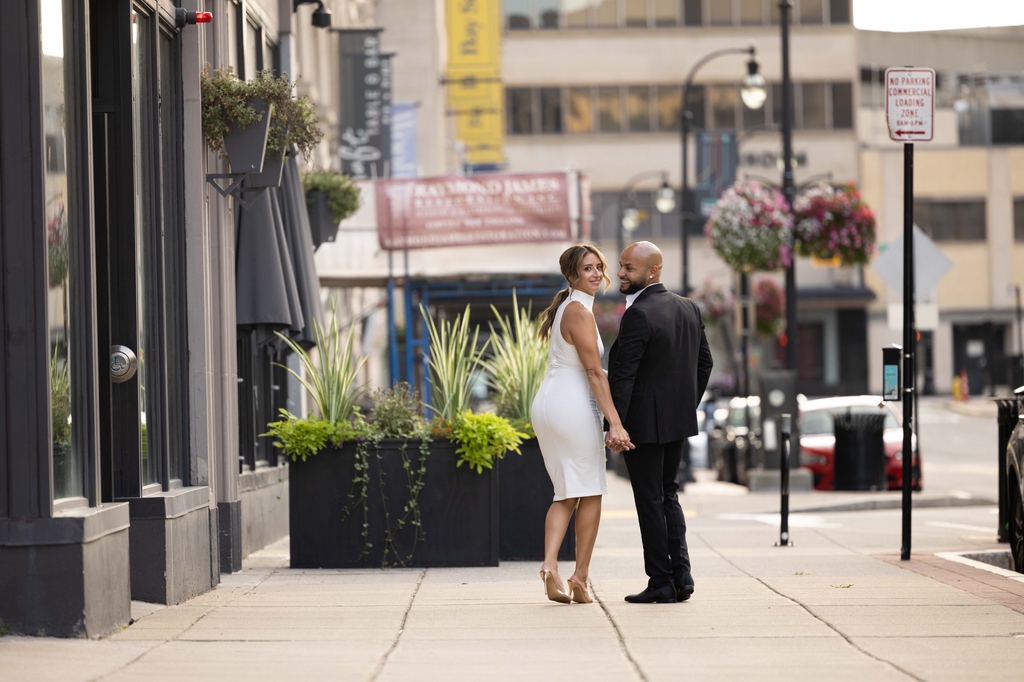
(476,97)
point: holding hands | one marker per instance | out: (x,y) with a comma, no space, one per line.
(617,439)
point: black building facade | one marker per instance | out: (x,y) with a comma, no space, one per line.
(119,465)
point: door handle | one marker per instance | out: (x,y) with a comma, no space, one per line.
(123,364)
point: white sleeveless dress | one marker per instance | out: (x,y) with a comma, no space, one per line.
(566,417)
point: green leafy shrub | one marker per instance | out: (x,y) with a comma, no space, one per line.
(294,121)
(225,101)
(343,195)
(396,413)
(484,438)
(303,437)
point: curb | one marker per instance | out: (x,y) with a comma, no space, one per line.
(897,503)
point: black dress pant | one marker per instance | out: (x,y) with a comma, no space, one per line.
(652,473)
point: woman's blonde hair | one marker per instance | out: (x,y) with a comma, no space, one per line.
(570,262)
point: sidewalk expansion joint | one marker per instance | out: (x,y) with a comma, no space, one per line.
(618,635)
(401,628)
(811,613)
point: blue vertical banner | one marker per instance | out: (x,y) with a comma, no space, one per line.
(717,158)
(404,162)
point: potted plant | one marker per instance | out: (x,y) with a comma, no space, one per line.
(236,114)
(331,197)
(381,490)
(751,228)
(293,122)
(834,225)
(516,369)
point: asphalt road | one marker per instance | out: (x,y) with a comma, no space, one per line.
(958,451)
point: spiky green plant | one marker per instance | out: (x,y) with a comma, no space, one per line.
(333,384)
(453,359)
(518,363)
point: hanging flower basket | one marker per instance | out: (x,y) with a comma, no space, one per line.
(769,307)
(750,227)
(834,224)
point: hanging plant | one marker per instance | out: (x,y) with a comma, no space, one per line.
(294,121)
(227,101)
(343,195)
(769,307)
(714,301)
(835,223)
(750,227)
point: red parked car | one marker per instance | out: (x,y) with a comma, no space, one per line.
(818,441)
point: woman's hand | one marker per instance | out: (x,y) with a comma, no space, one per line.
(617,439)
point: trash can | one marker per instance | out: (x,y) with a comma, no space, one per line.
(859,457)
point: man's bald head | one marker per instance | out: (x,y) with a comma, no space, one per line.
(639,266)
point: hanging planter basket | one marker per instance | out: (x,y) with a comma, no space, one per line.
(245,146)
(322,226)
(750,228)
(769,307)
(834,226)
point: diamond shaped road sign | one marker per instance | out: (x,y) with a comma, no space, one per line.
(930,265)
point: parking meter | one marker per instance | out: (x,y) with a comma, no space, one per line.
(892,383)
(778,397)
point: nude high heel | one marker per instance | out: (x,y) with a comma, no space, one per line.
(578,592)
(554,594)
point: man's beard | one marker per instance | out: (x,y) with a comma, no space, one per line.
(632,288)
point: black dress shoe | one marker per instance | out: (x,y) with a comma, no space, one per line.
(659,595)
(684,587)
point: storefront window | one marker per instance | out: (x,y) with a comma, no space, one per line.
(67,459)
(142,67)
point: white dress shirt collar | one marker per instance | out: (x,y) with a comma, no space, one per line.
(631,298)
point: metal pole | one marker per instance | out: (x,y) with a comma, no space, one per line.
(788,186)
(908,339)
(685,196)
(787,427)
(745,336)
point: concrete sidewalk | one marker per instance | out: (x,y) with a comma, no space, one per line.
(838,605)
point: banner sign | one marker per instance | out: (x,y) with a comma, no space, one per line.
(476,210)
(476,96)
(364,145)
(404,162)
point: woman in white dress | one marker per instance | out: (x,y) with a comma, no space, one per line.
(566,415)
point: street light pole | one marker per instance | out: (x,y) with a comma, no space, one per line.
(788,186)
(751,82)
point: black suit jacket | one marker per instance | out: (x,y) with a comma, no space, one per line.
(659,366)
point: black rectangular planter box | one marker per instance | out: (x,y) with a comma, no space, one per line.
(458,506)
(525,493)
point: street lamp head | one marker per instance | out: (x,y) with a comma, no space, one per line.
(753,92)
(630,219)
(665,202)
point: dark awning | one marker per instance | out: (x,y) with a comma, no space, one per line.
(276,284)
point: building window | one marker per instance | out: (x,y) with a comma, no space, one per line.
(951,220)
(519,107)
(548,14)
(609,110)
(638,109)
(655,108)
(550,111)
(1018,220)
(580,116)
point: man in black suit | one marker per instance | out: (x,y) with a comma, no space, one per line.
(658,368)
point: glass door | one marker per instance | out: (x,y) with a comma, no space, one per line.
(137,171)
